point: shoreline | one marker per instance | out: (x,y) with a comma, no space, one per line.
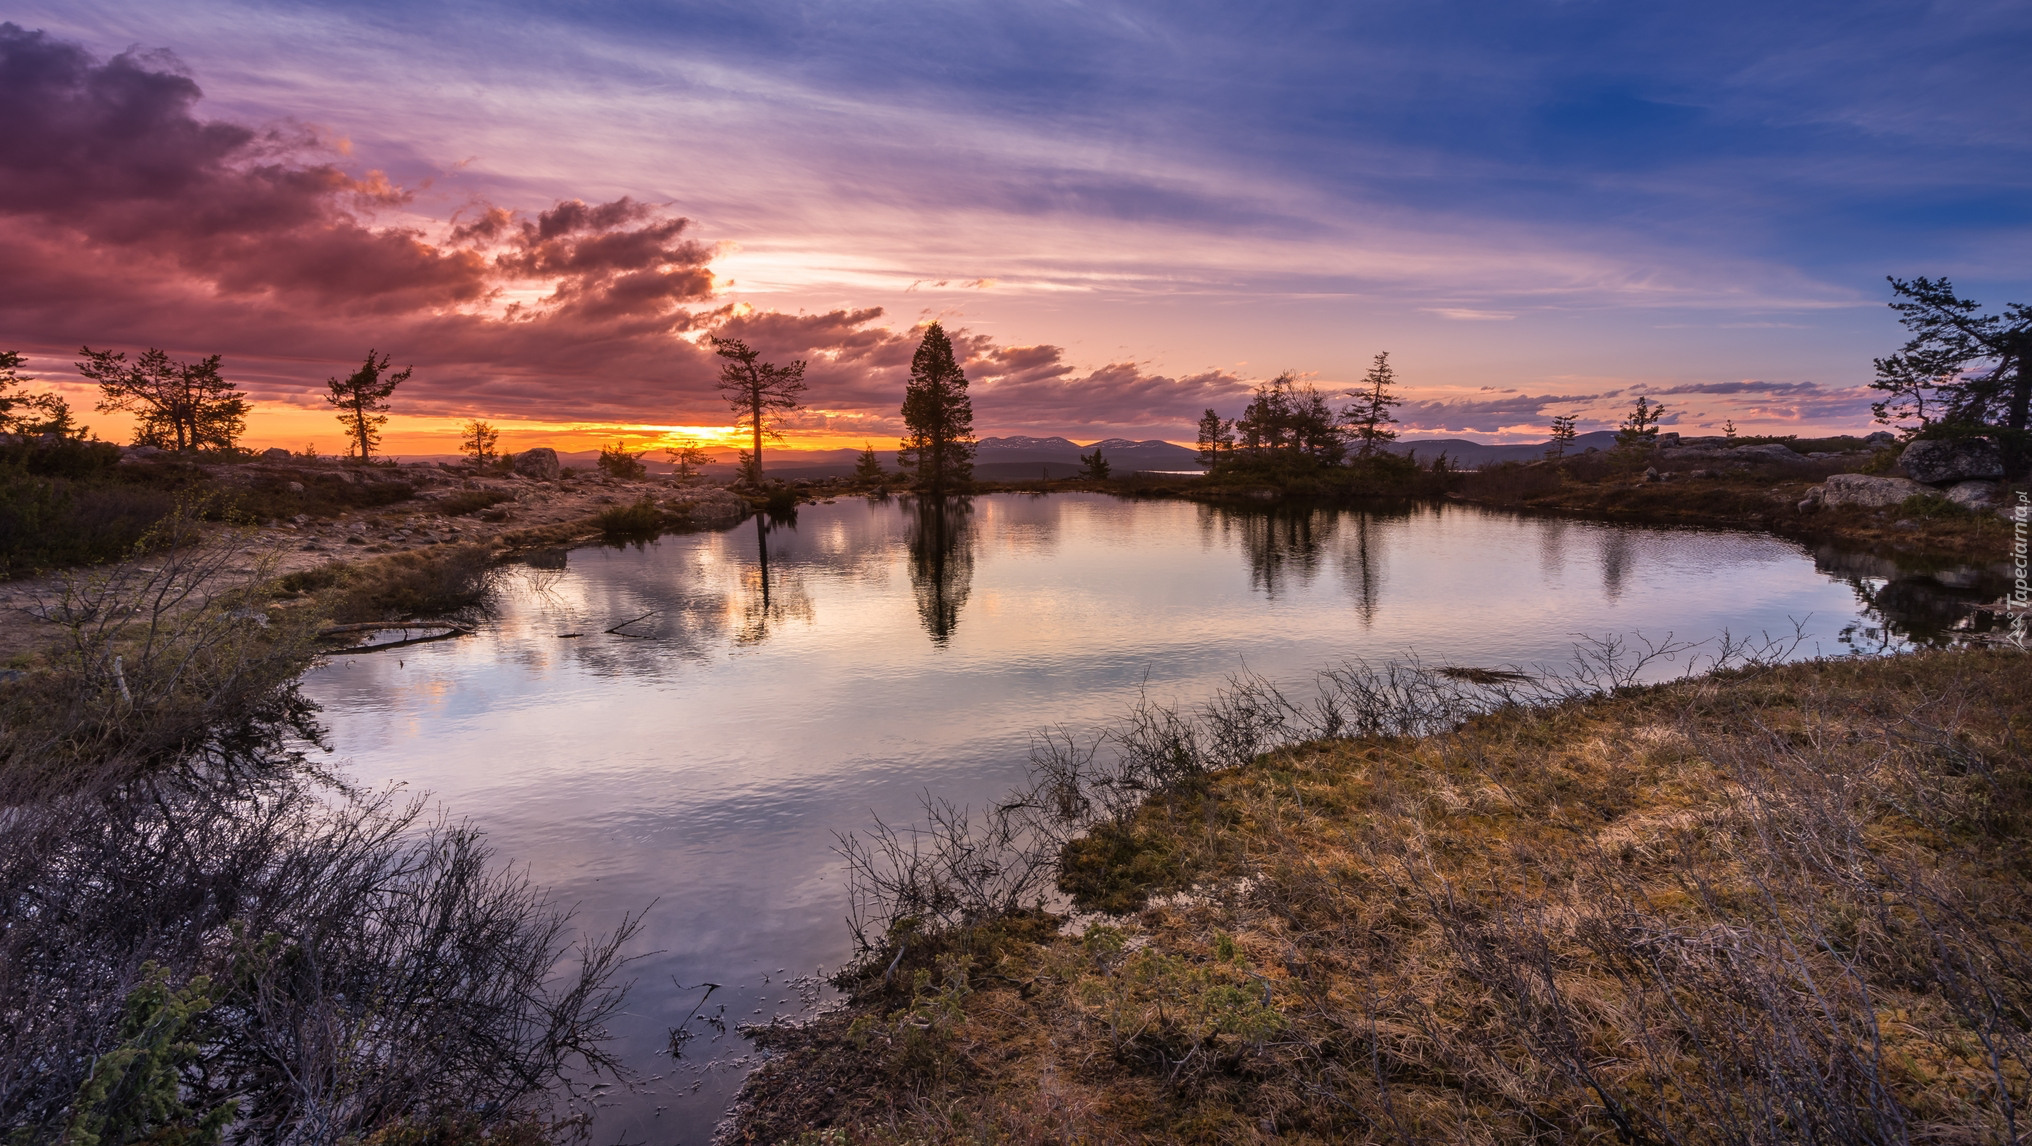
(1344,939)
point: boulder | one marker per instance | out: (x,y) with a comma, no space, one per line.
(539,464)
(1767,452)
(275,454)
(1863,490)
(1880,439)
(1973,494)
(1938,461)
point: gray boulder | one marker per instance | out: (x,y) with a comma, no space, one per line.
(1973,494)
(1767,452)
(275,454)
(1941,460)
(539,464)
(1880,438)
(1863,490)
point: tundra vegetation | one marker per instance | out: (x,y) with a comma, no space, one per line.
(205,936)
(1765,904)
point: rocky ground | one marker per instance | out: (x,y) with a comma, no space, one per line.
(293,515)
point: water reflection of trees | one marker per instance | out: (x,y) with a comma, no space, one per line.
(770,597)
(1285,546)
(941,542)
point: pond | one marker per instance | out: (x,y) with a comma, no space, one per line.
(686,723)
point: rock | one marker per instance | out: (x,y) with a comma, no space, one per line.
(1691,454)
(295,487)
(1768,452)
(1864,490)
(275,454)
(1942,460)
(539,464)
(1880,439)
(1973,494)
(1650,473)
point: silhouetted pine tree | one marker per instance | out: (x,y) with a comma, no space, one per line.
(868,467)
(1216,437)
(176,405)
(361,399)
(760,393)
(1368,417)
(938,418)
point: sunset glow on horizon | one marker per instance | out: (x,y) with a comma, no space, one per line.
(1124,214)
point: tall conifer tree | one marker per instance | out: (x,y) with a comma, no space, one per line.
(938,417)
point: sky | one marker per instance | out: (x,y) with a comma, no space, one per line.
(1125,213)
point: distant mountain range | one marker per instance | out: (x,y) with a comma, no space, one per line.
(1018,456)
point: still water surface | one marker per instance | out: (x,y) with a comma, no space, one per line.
(687,722)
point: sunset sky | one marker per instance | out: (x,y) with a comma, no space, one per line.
(1126,212)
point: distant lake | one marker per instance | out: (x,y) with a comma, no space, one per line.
(770,685)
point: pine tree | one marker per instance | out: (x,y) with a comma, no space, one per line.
(32,415)
(1960,366)
(1640,430)
(1094,467)
(477,441)
(687,458)
(362,401)
(1216,438)
(1368,417)
(176,405)
(868,467)
(938,417)
(760,394)
(1563,433)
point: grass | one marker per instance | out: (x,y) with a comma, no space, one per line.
(434,582)
(1773,905)
(637,519)
(471,501)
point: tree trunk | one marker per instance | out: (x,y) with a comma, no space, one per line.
(755,415)
(2021,384)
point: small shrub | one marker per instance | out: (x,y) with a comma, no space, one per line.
(635,520)
(50,523)
(431,582)
(472,501)
(617,462)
